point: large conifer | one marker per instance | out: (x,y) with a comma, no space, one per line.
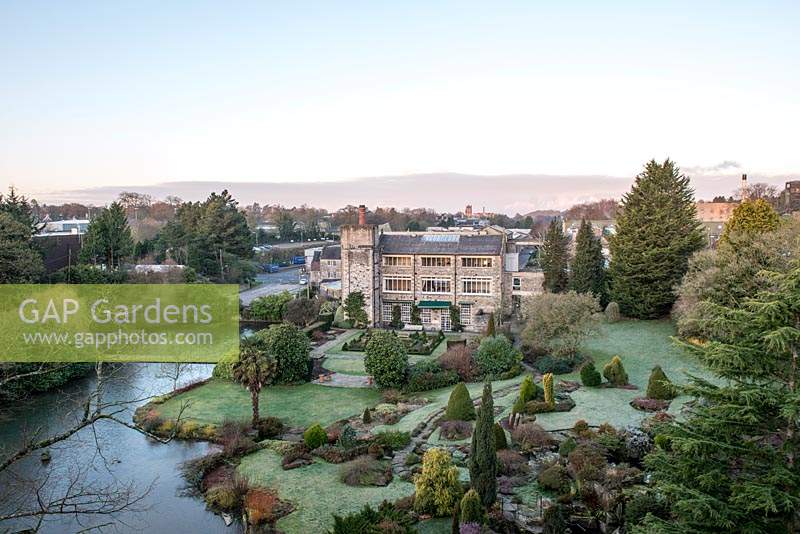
(483,456)
(588,269)
(554,258)
(733,464)
(656,233)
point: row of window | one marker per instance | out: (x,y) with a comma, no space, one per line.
(436,261)
(426,314)
(469,286)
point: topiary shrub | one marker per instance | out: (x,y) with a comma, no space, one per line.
(386,359)
(459,406)
(527,389)
(471,508)
(554,478)
(547,386)
(367,417)
(437,486)
(496,355)
(500,440)
(315,436)
(612,312)
(291,348)
(659,386)
(590,377)
(615,372)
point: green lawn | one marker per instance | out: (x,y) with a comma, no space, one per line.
(641,345)
(315,491)
(297,405)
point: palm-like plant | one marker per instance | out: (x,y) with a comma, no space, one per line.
(254,370)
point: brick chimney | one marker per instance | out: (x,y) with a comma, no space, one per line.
(362,215)
(468,211)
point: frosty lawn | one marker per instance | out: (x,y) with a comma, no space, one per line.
(301,405)
(315,491)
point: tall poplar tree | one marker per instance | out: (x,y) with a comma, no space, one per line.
(657,232)
(588,269)
(483,456)
(554,256)
(733,465)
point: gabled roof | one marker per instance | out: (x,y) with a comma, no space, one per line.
(332,252)
(489,245)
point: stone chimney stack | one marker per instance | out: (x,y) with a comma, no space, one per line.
(744,187)
(362,215)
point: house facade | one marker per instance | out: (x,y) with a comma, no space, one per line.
(432,270)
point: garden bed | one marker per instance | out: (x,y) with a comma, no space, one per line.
(416,343)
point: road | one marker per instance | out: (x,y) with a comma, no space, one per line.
(304,244)
(271,283)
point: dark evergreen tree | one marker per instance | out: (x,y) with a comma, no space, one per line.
(732,464)
(656,233)
(108,239)
(554,256)
(483,455)
(588,268)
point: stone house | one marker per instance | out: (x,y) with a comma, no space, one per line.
(434,271)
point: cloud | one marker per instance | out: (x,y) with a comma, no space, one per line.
(724,167)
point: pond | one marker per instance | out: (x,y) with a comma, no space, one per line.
(127,457)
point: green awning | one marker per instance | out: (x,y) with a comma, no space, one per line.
(434,304)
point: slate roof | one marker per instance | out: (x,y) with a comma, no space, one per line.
(332,252)
(488,245)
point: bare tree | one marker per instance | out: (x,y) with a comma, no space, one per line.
(173,372)
(74,492)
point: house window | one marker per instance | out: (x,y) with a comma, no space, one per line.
(466,314)
(436,285)
(436,261)
(444,320)
(516,283)
(397,284)
(388,307)
(476,262)
(476,286)
(426,316)
(397,261)
(405,312)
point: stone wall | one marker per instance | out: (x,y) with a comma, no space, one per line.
(359,270)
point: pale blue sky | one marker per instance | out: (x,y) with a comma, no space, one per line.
(112,92)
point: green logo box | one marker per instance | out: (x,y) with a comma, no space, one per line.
(118,322)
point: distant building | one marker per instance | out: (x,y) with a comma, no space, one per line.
(790,197)
(325,265)
(65,227)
